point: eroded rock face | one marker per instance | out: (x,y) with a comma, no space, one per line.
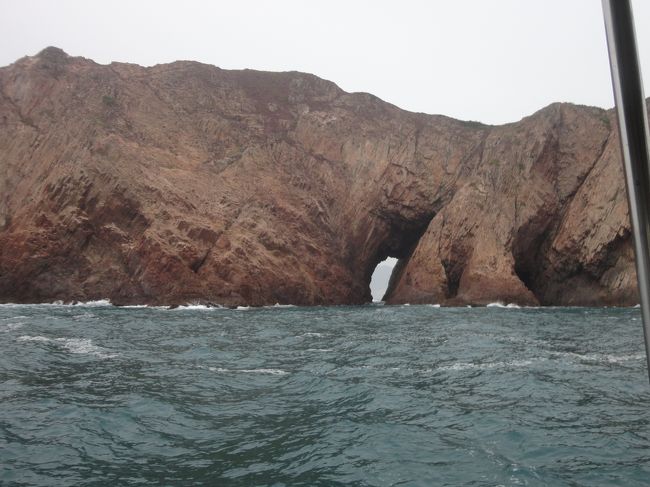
(543,220)
(185,182)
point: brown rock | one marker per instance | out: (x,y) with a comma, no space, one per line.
(185,182)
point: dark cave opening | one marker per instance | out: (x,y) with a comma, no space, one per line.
(392,255)
(528,251)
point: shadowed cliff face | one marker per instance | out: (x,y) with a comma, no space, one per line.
(185,182)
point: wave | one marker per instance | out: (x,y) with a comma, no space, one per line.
(600,358)
(186,307)
(88,304)
(26,338)
(249,371)
(499,304)
(572,356)
(21,305)
(6,327)
(191,307)
(92,304)
(487,365)
(73,345)
(312,334)
(238,308)
(85,346)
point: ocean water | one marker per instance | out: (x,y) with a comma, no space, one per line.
(342,396)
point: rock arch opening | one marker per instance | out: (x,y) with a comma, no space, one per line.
(387,254)
(381,277)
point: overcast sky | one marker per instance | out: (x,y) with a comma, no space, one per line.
(489,60)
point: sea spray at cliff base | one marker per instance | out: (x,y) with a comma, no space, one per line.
(372,395)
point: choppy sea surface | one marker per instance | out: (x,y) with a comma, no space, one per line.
(338,396)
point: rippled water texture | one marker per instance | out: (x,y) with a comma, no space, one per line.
(97,395)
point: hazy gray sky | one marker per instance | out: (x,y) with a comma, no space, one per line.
(489,60)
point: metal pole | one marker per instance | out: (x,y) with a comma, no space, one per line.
(633,129)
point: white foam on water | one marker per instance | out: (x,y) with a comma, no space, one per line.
(7,327)
(90,304)
(278,305)
(499,304)
(488,365)
(242,308)
(572,356)
(26,338)
(319,350)
(406,304)
(312,334)
(265,371)
(249,371)
(139,306)
(94,304)
(600,357)
(73,345)
(19,305)
(84,346)
(189,307)
(433,305)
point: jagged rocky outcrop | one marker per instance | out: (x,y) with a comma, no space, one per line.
(185,182)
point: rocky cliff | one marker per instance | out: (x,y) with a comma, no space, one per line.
(185,182)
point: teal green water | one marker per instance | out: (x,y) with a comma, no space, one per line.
(354,396)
